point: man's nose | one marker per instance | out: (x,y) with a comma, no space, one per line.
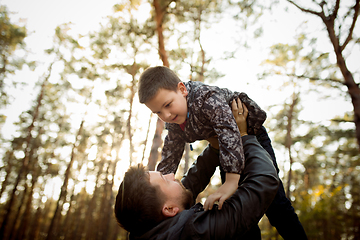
(170,176)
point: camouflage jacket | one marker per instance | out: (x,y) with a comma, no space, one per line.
(210,114)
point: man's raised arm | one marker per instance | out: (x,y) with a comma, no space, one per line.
(201,171)
(257,188)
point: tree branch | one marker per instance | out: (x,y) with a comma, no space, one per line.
(316,78)
(351,30)
(306,10)
(336,9)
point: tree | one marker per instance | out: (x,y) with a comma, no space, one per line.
(53,229)
(44,150)
(160,14)
(325,152)
(28,151)
(11,38)
(286,60)
(188,13)
(340,20)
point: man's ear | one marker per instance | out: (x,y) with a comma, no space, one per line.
(169,211)
(181,87)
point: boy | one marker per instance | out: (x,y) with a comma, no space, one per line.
(195,111)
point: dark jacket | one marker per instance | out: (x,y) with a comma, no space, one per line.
(257,188)
(209,115)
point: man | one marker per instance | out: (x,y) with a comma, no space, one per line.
(150,205)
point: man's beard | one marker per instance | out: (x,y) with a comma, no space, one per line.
(187,199)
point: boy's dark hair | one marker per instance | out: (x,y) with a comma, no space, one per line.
(138,204)
(155,78)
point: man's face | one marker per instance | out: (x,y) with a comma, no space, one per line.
(173,189)
(170,106)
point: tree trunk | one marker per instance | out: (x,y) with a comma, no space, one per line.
(186,157)
(105,198)
(69,217)
(329,21)
(353,90)
(35,226)
(77,230)
(146,139)
(89,217)
(160,12)
(288,191)
(25,161)
(106,209)
(14,227)
(349,82)
(156,144)
(52,232)
(132,72)
(37,217)
(288,139)
(22,233)
(9,155)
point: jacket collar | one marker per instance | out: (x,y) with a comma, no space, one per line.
(170,228)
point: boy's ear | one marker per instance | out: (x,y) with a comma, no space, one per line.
(169,211)
(181,87)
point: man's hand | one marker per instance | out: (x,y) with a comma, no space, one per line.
(240,113)
(224,192)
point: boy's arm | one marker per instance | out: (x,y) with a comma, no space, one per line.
(220,118)
(201,171)
(240,113)
(171,154)
(223,192)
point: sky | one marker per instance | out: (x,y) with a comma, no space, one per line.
(43,16)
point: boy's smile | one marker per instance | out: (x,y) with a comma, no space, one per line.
(170,106)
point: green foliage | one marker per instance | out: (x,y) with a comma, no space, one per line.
(310,64)
(11,38)
(326,155)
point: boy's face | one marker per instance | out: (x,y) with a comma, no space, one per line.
(170,106)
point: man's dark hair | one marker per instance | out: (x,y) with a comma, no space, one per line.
(138,204)
(155,78)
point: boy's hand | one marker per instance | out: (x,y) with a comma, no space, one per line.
(224,192)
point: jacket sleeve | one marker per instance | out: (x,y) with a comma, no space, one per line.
(171,154)
(216,110)
(199,174)
(257,188)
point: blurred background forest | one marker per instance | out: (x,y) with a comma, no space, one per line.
(71,123)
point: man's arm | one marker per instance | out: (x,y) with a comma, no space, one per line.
(258,186)
(199,174)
